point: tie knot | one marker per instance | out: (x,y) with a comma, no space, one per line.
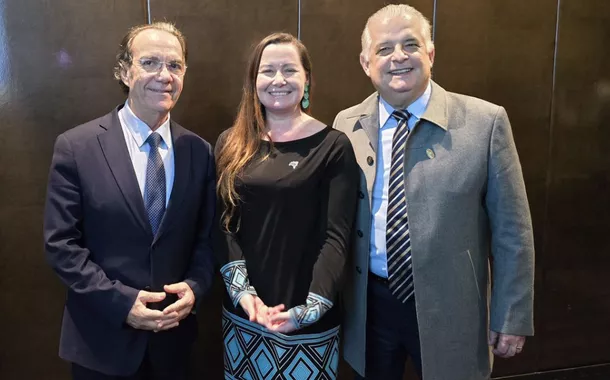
(154,140)
(401,115)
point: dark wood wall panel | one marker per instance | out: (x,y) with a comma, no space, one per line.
(56,61)
(220,34)
(502,51)
(331,31)
(576,306)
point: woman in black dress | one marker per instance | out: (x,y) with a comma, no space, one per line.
(288,187)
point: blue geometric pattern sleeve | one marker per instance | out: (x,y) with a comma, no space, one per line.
(304,315)
(235,276)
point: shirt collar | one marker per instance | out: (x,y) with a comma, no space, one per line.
(140,131)
(417,108)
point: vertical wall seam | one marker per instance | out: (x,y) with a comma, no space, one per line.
(549,169)
(434,21)
(148,15)
(299,20)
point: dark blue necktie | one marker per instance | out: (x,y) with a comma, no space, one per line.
(398,243)
(154,189)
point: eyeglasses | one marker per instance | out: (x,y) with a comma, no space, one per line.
(154,65)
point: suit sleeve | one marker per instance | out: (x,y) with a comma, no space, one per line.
(65,246)
(341,186)
(201,272)
(511,235)
(228,250)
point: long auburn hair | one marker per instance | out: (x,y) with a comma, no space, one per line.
(243,140)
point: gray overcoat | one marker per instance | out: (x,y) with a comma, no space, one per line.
(467,208)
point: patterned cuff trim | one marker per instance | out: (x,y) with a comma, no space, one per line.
(311,312)
(235,276)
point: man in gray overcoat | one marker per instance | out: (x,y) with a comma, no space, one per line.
(443,266)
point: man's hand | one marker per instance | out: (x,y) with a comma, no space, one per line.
(506,345)
(142,318)
(180,309)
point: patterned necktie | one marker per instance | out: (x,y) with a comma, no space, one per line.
(154,190)
(398,243)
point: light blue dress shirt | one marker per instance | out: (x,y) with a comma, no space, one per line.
(387,127)
(136,132)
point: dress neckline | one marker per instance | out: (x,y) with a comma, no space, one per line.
(302,139)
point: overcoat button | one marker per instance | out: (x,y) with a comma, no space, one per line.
(370,161)
(359,233)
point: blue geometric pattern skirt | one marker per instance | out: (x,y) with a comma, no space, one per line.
(252,352)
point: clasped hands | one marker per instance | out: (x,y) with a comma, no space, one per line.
(273,318)
(142,318)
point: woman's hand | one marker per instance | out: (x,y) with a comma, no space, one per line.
(257,311)
(282,322)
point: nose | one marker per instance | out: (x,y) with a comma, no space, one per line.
(399,54)
(164,73)
(278,78)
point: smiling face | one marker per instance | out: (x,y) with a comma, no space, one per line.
(398,62)
(281,78)
(152,94)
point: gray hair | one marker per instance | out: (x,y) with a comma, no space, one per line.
(124,57)
(397,10)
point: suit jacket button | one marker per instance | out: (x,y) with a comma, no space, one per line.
(147,288)
(359,233)
(370,161)
(358,270)
(360,195)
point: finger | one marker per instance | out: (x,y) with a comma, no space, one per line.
(501,348)
(283,328)
(144,314)
(280,317)
(168,317)
(167,327)
(276,309)
(145,297)
(512,350)
(146,325)
(179,287)
(178,306)
(493,338)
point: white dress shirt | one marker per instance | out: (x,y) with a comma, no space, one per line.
(136,132)
(387,127)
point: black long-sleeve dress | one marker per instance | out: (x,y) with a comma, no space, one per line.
(295,218)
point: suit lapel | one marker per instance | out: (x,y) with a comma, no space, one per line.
(115,150)
(368,111)
(182,169)
(436,112)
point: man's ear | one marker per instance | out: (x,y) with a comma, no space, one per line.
(431,54)
(125,76)
(364,62)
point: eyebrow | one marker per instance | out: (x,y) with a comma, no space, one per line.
(262,65)
(151,56)
(388,42)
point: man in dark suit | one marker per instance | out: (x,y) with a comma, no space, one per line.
(441,195)
(129,209)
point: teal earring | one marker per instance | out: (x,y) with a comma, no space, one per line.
(305,101)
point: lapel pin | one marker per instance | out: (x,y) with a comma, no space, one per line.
(430,153)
